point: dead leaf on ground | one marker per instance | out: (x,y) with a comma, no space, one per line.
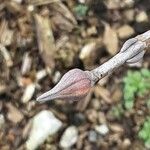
(103,93)
(110,40)
(14,115)
(45,40)
(41,2)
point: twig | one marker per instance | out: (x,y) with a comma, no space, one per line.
(76,83)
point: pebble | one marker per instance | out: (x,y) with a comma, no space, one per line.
(92,136)
(126,143)
(44,124)
(87,50)
(82,1)
(90,52)
(56,77)
(116,128)
(95,103)
(112,42)
(102,129)
(78,119)
(125,31)
(2,121)
(141,17)
(129,14)
(28,92)
(92,115)
(14,114)
(69,137)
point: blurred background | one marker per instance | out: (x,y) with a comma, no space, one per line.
(40,40)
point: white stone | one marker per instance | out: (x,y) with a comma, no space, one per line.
(81,1)
(87,50)
(142,17)
(2,121)
(125,31)
(18,1)
(69,137)
(44,124)
(102,129)
(28,92)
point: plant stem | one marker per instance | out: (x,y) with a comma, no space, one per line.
(130,52)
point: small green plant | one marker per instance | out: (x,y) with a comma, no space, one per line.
(135,83)
(148,103)
(144,133)
(81,10)
(117,111)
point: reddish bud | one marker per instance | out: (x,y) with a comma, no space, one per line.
(74,85)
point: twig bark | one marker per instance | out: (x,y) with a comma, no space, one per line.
(132,52)
(76,83)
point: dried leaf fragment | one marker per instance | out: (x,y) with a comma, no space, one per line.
(14,114)
(125,31)
(45,39)
(41,2)
(63,10)
(103,93)
(6,56)
(110,40)
(6,35)
(26,65)
(28,93)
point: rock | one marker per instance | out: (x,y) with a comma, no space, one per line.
(78,119)
(18,1)
(117,95)
(116,4)
(69,137)
(14,114)
(2,121)
(101,117)
(92,136)
(28,92)
(126,143)
(102,92)
(90,53)
(82,1)
(44,124)
(102,129)
(116,128)
(110,40)
(129,14)
(95,103)
(87,50)
(91,31)
(92,115)
(141,17)
(125,31)
(56,77)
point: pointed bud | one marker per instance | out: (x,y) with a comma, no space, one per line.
(74,85)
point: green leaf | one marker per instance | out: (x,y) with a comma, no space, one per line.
(81,10)
(135,83)
(147,144)
(145,72)
(144,133)
(129,104)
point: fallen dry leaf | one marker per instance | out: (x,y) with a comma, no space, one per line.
(103,93)
(14,114)
(125,31)
(110,40)
(45,40)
